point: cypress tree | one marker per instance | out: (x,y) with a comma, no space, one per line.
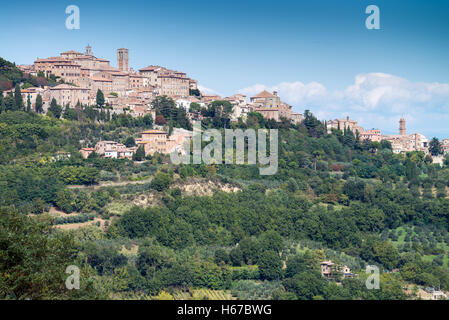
(18,97)
(28,104)
(39,104)
(100,98)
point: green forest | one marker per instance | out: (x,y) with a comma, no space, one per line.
(136,230)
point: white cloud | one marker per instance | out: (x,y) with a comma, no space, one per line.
(374,99)
(207,90)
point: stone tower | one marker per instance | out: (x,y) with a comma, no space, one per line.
(123,59)
(402,130)
(88,51)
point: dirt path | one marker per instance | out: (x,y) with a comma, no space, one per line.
(112,184)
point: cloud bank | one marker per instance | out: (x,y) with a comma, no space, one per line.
(376,100)
(207,90)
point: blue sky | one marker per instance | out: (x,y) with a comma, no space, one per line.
(317,54)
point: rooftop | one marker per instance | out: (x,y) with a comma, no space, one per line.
(265,94)
(153,131)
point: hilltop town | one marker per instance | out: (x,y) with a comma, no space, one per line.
(125,90)
(80,77)
(86,149)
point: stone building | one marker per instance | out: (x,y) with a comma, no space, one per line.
(61,67)
(114,150)
(92,73)
(123,59)
(342,124)
(371,135)
(445,145)
(240,106)
(66,94)
(271,107)
(328,270)
(403,142)
(168,82)
(153,141)
(86,152)
(158,141)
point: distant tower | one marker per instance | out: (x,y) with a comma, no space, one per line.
(123,59)
(88,51)
(402,130)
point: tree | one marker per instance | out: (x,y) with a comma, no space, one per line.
(160,120)
(55,109)
(411,170)
(170,128)
(139,155)
(41,81)
(435,147)
(70,114)
(194,92)
(28,104)
(221,256)
(33,267)
(2,106)
(148,120)
(130,142)
(161,181)
(222,108)
(300,263)
(270,265)
(272,240)
(100,98)
(314,127)
(446,160)
(385,144)
(165,106)
(317,154)
(18,97)
(236,256)
(39,104)
(306,285)
(167,110)
(195,107)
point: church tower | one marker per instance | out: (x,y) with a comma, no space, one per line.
(402,130)
(123,59)
(88,51)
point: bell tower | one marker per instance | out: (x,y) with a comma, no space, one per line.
(402,129)
(88,51)
(123,59)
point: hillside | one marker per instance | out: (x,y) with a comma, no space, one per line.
(198,230)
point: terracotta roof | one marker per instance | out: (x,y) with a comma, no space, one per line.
(264,94)
(150,68)
(67,86)
(84,57)
(100,79)
(52,59)
(120,74)
(72,52)
(154,132)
